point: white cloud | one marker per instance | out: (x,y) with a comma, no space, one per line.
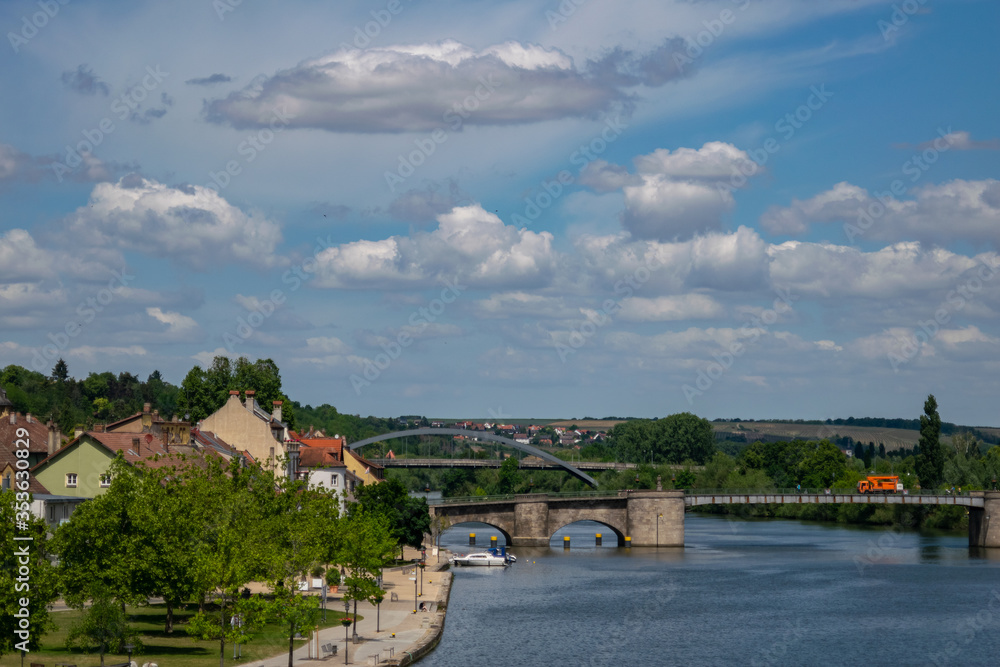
(670,308)
(958,210)
(326,345)
(193,225)
(178,326)
(21,259)
(469,245)
(423,87)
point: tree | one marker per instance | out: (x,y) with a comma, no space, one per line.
(205,391)
(408,518)
(368,544)
(39,589)
(683,436)
(508,477)
(60,372)
(104,625)
(98,549)
(930,461)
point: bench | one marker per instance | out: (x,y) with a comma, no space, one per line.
(330,649)
(393,597)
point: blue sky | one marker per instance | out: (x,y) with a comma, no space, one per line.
(758,209)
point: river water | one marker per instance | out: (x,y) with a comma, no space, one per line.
(767,592)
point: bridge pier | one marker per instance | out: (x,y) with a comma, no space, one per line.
(984,522)
(531,520)
(656,518)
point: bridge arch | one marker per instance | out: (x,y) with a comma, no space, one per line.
(619,535)
(485,435)
(509,540)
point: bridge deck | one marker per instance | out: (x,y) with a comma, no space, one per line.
(723,498)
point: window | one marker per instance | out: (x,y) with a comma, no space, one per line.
(52,512)
(105,481)
(333,480)
(71,479)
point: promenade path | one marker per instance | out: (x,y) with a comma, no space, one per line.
(399,629)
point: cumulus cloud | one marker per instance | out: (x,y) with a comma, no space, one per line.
(84,81)
(469,246)
(503,305)
(958,210)
(192,225)
(670,308)
(724,261)
(674,195)
(178,326)
(423,87)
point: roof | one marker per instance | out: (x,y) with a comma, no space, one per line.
(211,441)
(365,462)
(38,433)
(4,401)
(148,448)
(320,457)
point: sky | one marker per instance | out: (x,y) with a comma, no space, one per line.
(749,208)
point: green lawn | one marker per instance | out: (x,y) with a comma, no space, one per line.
(167,650)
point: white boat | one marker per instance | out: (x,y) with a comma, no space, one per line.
(491,558)
(482,558)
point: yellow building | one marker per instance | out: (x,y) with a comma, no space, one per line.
(245,426)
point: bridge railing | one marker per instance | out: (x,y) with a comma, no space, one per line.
(815,492)
(499,497)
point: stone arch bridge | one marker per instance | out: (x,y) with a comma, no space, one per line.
(656,518)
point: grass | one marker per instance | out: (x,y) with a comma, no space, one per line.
(167,650)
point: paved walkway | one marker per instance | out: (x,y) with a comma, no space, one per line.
(388,633)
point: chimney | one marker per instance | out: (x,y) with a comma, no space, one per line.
(276,411)
(77,431)
(100,428)
(53,438)
(13,418)
(28,417)
(250,394)
(146,408)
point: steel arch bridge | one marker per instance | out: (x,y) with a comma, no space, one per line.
(483,435)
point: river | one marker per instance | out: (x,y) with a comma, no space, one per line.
(767,592)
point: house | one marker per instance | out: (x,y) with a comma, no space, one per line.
(245,426)
(208,442)
(80,469)
(522,438)
(364,470)
(174,432)
(324,467)
(42,439)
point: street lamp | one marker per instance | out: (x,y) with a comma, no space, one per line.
(414,591)
(129,647)
(378,609)
(346,622)
(422,565)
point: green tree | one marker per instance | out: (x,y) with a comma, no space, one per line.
(367,545)
(408,518)
(683,436)
(40,588)
(930,461)
(103,625)
(509,476)
(60,372)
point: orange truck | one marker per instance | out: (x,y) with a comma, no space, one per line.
(880,484)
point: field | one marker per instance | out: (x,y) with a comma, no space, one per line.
(892,438)
(588,424)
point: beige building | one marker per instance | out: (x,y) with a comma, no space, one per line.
(245,426)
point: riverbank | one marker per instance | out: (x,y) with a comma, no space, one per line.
(392,634)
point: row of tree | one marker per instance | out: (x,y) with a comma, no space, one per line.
(199,530)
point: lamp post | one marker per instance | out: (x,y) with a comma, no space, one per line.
(414,591)
(129,647)
(346,622)
(422,565)
(378,609)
